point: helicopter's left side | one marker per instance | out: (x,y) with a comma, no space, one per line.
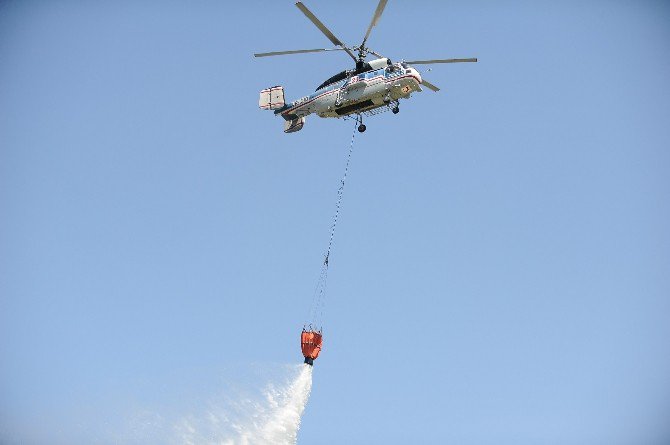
(381,86)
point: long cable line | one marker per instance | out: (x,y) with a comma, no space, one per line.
(318,299)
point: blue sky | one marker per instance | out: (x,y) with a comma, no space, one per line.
(500,273)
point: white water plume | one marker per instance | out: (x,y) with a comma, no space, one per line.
(240,405)
(274,419)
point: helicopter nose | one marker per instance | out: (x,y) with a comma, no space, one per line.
(414,73)
(418,76)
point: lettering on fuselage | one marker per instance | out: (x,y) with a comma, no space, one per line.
(301,101)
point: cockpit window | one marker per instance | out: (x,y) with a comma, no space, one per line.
(404,65)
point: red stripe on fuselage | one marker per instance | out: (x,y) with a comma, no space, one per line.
(296,107)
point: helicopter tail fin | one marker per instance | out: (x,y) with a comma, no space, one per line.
(272,98)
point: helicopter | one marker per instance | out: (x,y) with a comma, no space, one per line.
(371,87)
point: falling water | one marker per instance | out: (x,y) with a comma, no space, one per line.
(273,418)
(252,405)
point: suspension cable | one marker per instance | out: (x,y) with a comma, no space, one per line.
(340,193)
(316,310)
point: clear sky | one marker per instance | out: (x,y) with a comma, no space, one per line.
(501,270)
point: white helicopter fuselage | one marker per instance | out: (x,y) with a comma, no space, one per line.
(359,93)
(354,95)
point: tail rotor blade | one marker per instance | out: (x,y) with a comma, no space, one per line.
(426,62)
(323,28)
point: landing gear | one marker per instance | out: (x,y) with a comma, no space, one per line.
(361,127)
(395,110)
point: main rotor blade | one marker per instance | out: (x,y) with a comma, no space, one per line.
(296,51)
(429,85)
(375,53)
(425,62)
(375,19)
(323,28)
